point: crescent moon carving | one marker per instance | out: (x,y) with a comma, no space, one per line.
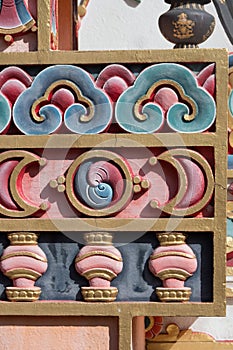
(13,202)
(194,164)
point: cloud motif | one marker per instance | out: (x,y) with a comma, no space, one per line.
(13,81)
(95,195)
(5,113)
(230,103)
(91,114)
(136,112)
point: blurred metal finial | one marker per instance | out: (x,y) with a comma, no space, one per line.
(82,8)
(225,13)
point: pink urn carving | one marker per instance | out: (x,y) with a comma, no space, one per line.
(99,262)
(173,262)
(23,262)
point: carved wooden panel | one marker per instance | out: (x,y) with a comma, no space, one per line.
(18,25)
(113,169)
(31,25)
(178,339)
(164,97)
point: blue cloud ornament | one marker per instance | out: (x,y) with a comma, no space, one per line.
(194,112)
(5,113)
(50,116)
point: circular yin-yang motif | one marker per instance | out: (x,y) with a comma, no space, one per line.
(99,183)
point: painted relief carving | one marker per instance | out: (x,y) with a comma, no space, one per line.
(62,91)
(13,201)
(114,80)
(99,262)
(187,201)
(23,262)
(62,99)
(173,262)
(138,151)
(138,109)
(123,160)
(104,272)
(206,78)
(13,81)
(230,145)
(101,183)
(15,18)
(171,335)
(153,326)
(183,338)
(230,104)
(229,239)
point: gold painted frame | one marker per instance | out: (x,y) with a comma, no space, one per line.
(217,140)
(181,340)
(126,311)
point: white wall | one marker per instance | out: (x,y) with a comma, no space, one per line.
(220,328)
(126,24)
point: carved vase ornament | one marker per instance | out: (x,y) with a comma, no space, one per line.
(173,262)
(23,262)
(186,23)
(99,262)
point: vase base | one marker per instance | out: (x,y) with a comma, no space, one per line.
(23,294)
(99,294)
(174,294)
(185,46)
